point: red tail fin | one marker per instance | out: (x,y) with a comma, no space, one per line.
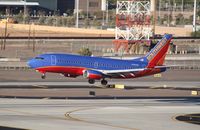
(157,55)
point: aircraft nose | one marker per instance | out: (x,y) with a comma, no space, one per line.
(30,63)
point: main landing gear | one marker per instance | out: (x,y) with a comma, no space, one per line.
(91,81)
(43,76)
(103,82)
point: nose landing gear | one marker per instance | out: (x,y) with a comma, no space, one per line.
(43,76)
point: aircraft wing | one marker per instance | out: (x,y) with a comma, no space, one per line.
(107,72)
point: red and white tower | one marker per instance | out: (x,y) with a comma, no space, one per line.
(133,20)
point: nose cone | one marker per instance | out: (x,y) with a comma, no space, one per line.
(30,63)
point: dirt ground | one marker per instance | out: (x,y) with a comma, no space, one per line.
(16,30)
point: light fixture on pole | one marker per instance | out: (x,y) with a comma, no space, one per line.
(153,11)
(87,9)
(194,16)
(107,12)
(103,9)
(77,13)
(25,12)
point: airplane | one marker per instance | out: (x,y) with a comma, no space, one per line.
(98,68)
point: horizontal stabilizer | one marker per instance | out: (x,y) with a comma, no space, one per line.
(168,66)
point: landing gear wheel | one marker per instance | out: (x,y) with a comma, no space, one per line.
(104,82)
(43,76)
(91,81)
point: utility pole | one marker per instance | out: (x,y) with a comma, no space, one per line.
(182,8)
(159,9)
(25,11)
(107,12)
(5,35)
(174,9)
(2,42)
(87,9)
(169,12)
(103,8)
(194,17)
(77,13)
(153,11)
(29,35)
(34,42)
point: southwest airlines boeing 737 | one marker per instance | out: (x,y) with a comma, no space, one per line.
(96,68)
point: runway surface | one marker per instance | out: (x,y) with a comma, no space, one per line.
(83,84)
(32,76)
(82,90)
(138,114)
(156,109)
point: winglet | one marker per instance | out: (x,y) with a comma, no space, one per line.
(157,55)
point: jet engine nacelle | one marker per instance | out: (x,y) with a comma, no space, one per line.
(92,74)
(70,75)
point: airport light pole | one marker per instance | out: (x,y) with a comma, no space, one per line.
(153,11)
(5,35)
(174,8)
(182,6)
(159,9)
(25,8)
(168,12)
(107,12)
(87,9)
(194,16)
(77,13)
(103,8)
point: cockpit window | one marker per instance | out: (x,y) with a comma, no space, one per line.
(39,58)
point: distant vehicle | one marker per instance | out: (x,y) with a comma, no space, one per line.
(96,68)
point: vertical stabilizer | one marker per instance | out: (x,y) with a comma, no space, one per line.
(157,55)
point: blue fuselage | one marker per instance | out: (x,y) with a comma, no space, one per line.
(86,62)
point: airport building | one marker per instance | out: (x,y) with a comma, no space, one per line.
(56,5)
(91,5)
(49,5)
(64,5)
(61,6)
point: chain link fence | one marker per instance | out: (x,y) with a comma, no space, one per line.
(24,50)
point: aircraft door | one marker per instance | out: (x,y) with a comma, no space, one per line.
(53,60)
(96,64)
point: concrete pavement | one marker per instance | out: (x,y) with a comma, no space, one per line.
(143,114)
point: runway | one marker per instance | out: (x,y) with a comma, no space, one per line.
(149,103)
(82,90)
(32,76)
(137,114)
(85,84)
